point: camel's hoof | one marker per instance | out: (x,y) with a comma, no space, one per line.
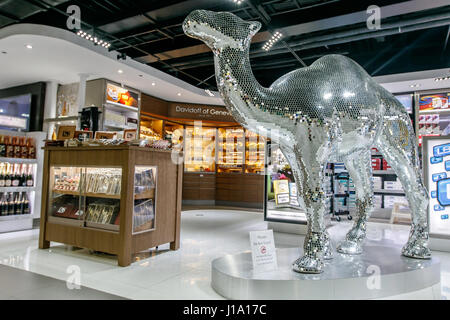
(328,254)
(349,247)
(308,264)
(416,251)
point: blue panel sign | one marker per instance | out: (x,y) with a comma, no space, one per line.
(443,192)
(433,194)
(447,165)
(444,216)
(438,207)
(439,176)
(441,150)
(434,160)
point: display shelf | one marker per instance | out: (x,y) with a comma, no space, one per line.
(387,191)
(16,217)
(148,194)
(62,119)
(18,160)
(87,194)
(120,107)
(103,226)
(434,111)
(383,172)
(17,189)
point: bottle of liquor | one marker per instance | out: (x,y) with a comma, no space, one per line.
(15,176)
(23,148)
(2,147)
(26,203)
(10,204)
(29,177)
(17,148)
(3,205)
(9,147)
(2,175)
(31,148)
(16,203)
(8,179)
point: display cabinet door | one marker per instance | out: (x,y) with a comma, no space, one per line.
(65,195)
(144,195)
(101,192)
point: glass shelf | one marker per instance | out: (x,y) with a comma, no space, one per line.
(199,149)
(145,178)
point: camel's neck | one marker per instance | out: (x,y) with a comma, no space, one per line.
(242,93)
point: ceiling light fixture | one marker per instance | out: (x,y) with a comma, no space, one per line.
(209,93)
(153,84)
(275,38)
(238,1)
(178,94)
(28,46)
(94,39)
(415,85)
(120,71)
(442,78)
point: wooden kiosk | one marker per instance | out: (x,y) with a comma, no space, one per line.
(115,199)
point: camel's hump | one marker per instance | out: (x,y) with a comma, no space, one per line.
(332,67)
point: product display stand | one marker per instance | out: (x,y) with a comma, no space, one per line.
(115,199)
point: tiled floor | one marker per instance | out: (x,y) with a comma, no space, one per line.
(181,274)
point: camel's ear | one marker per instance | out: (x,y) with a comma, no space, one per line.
(254,27)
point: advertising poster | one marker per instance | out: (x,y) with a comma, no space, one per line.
(438,184)
(281,188)
(15,113)
(122,96)
(436,101)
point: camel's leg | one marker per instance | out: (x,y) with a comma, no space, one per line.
(398,145)
(359,167)
(317,244)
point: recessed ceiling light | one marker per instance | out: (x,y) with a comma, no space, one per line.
(153,84)
(120,71)
(179,94)
(209,93)
(28,46)
(415,85)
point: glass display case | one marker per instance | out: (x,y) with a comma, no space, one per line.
(150,128)
(85,196)
(281,200)
(173,132)
(200,149)
(254,152)
(230,153)
(144,198)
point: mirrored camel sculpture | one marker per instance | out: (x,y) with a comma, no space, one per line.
(331,111)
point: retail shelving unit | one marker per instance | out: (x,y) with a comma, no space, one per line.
(117,199)
(16,222)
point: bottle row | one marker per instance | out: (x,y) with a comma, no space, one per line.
(17,147)
(14,203)
(16,175)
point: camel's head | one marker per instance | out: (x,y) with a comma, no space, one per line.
(220,30)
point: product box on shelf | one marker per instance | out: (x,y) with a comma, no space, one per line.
(377,182)
(393,185)
(386,166)
(376,163)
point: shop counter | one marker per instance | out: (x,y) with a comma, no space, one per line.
(115,199)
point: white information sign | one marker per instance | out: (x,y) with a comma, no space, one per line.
(263,251)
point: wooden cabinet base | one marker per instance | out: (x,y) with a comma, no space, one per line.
(123,242)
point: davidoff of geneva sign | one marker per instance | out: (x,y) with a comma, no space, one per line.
(200,112)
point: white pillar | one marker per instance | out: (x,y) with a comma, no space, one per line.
(51,97)
(82,91)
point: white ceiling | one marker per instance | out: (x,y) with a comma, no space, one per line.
(60,55)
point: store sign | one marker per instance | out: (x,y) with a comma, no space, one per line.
(439,185)
(187,111)
(121,96)
(264,256)
(434,101)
